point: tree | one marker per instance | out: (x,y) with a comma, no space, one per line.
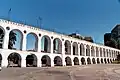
(88,39)
(12,39)
(116,43)
(118,57)
(113,43)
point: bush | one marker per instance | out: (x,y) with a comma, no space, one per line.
(116,62)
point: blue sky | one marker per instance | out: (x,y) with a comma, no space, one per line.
(88,17)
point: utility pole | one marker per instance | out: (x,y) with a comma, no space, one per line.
(9,13)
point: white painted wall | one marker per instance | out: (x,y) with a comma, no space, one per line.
(21,27)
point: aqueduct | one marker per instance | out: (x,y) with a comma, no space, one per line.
(48,48)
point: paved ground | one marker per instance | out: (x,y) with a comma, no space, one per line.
(89,72)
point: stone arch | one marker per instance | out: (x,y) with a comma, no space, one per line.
(31,60)
(88,61)
(46,44)
(82,50)
(57,46)
(87,50)
(15,39)
(76,61)
(98,61)
(93,60)
(83,61)
(2,35)
(32,42)
(67,47)
(57,61)
(101,60)
(75,48)
(92,51)
(68,61)
(105,61)
(14,60)
(46,61)
(0,60)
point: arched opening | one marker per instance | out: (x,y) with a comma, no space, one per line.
(68,61)
(31,60)
(0,60)
(113,59)
(57,61)
(75,48)
(87,50)
(2,34)
(108,61)
(101,60)
(112,53)
(67,47)
(15,40)
(100,52)
(93,60)
(88,61)
(105,61)
(109,55)
(76,61)
(98,61)
(83,61)
(97,52)
(46,61)
(107,52)
(14,60)
(45,44)
(32,42)
(82,50)
(92,51)
(57,46)
(104,52)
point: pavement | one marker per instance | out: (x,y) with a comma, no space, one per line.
(89,72)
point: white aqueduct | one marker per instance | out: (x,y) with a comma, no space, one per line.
(59,49)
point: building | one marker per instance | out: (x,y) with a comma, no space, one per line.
(88,38)
(78,36)
(57,50)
